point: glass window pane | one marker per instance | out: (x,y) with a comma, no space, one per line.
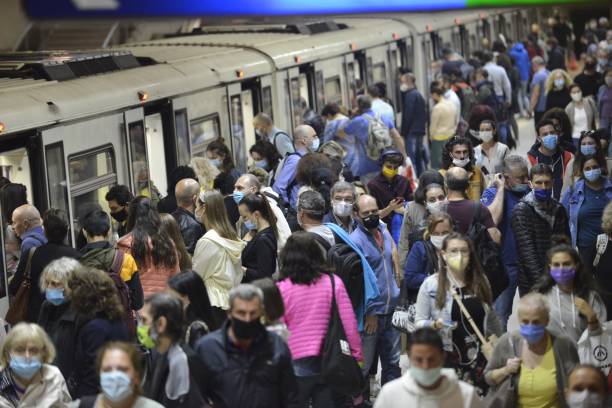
(56,177)
(237,145)
(352,85)
(369,71)
(203,131)
(333,92)
(139,165)
(91,166)
(320,85)
(182,136)
(295,101)
(266,101)
(379,74)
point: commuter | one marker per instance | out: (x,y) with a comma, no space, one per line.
(221,157)
(306,290)
(27,226)
(556,54)
(540,360)
(522,64)
(168,203)
(582,113)
(336,153)
(575,305)
(151,247)
(450,95)
(425,257)
(460,277)
(585,202)
(507,189)
(441,126)
(186,192)
(535,219)
(265,156)
(56,317)
(587,387)
(100,254)
(336,120)
(590,144)
(505,61)
(378,336)
(414,118)
(311,210)
(119,366)
(343,198)
(205,173)
(217,255)
(429,198)
(485,95)
(118,199)
(453,63)
(234,378)
(274,308)
(171,228)
(502,88)
(603,265)
(558,89)
(427,383)
(589,79)
(311,118)
(490,154)
(315,172)
(265,130)
(538,88)
(28,379)
(548,150)
(603,62)
(563,126)
(259,255)
(55,228)
(390,189)
(12,196)
(98,310)
(285,183)
(380,108)
(604,100)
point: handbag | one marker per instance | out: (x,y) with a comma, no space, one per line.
(339,369)
(18,309)
(505,395)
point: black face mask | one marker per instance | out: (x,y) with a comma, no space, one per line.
(246,330)
(371,221)
(120,215)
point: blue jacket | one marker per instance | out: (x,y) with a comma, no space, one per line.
(414,114)
(32,238)
(285,185)
(521,60)
(418,266)
(572,201)
(381,263)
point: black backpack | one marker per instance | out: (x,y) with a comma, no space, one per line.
(489,253)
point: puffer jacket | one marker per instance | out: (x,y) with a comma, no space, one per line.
(533,227)
(191,229)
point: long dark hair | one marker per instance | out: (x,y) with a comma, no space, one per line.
(170,226)
(301,260)
(266,150)
(600,155)
(425,179)
(258,202)
(220,149)
(190,284)
(144,223)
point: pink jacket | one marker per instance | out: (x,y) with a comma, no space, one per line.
(307,313)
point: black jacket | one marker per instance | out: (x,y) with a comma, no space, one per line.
(259,256)
(533,227)
(556,59)
(167,204)
(260,377)
(191,229)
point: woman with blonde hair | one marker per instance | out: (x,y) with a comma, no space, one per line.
(205,172)
(558,89)
(217,256)
(27,379)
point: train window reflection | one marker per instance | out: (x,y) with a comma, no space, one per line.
(139,165)
(266,101)
(203,131)
(91,166)
(333,92)
(182,136)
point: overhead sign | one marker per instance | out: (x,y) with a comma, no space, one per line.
(59,9)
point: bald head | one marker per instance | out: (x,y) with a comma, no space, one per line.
(247,183)
(456,179)
(303,135)
(186,192)
(25,218)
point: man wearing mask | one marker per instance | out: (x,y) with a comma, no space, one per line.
(414,118)
(536,218)
(537,104)
(427,383)
(118,199)
(246,365)
(379,336)
(589,79)
(547,150)
(507,190)
(310,213)
(186,192)
(343,196)
(265,129)
(587,388)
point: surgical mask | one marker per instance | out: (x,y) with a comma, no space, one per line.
(563,275)
(588,150)
(584,399)
(237,196)
(425,376)
(389,173)
(25,368)
(592,175)
(342,208)
(437,207)
(262,164)
(250,225)
(577,96)
(215,162)
(246,330)
(461,162)
(485,135)
(55,296)
(371,221)
(559,83)
(314,145)
(520,188)
(404,88)
(550,141)
(457,262)
(120,215)
(438,240)
(116,385)
(146,339)
(532,333)
(542,194)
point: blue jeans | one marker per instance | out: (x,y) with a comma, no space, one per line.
(503,303)
(414,148)
(386,340)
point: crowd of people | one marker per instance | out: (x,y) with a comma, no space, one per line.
(289,285)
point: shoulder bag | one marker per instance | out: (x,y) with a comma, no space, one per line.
(18,310)
(506,393)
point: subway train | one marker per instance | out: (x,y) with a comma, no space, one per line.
(73,124)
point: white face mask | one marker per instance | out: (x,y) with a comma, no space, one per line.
(577,96)
(404,88)
(437,207)
(461,162)
(584,399)
(438,240)
(485,135)
(342,208)
(559,83)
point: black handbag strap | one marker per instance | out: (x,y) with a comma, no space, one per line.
(28,268)
(333,286)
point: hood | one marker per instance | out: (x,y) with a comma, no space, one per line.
(519,47)
(98,257)
(38,233)
(448,385)
(232,248)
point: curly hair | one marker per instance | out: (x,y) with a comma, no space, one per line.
(93,294)
(548,86)
(447,158)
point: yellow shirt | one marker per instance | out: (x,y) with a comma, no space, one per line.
(476,183)
(537,388)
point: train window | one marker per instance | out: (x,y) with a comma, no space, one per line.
(84,168)
(156,151)
(237,134)
(320,90)
(204,131)
(394,67)
(333,91)
(407,57)
(295,101)
(266,101)
(182,136)
(378,73)
(352,86)
(369,71)
(138,154)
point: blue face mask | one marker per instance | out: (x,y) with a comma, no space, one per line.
(588,150)
(532,333)
(550,141)
(215,162)
(520,188)
(542,194)
(262,164)
(23,368)
(238,196)
(314,146)
(116,385)
(55,296)
(250,225)
(592,175)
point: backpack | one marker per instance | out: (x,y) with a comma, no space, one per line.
(122,291)
(489,254)
(280,132)
(379,137)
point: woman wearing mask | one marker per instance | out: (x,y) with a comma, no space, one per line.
(458,152)
(585,202)
(259,255)
(265,156)
(461,277)
(539,361)
(582,113)
(119,367)
(491,152)
(557,89)
(27,378)
(217,255)
(604,101)
(589,144)
(221,157)
(575,305)
(425,256)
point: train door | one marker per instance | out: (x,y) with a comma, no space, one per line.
(241,107)
(351,76)
(154,131)
(266,91)
(330,85)
(182,137)
(377,66)
(395,63)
